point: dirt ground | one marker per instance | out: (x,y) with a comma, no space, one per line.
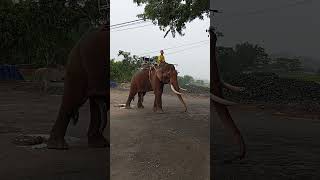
(149,146)
(146,145)
(24,111)
(280,145)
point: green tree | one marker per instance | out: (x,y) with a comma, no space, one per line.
(243,57)
(172,15)
(185,80)
(42,32)
(123,70)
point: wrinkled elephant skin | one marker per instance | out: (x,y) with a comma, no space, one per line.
(86,77)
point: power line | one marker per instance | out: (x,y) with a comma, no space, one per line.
(126,22)
(131,24)
(131,28)
(174,47)
(175,52)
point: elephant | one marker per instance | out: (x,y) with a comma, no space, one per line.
(153,79)
(86,77)
(219,102)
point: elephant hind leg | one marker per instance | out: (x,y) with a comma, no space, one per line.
(95,136)
(56,140)
(140,100)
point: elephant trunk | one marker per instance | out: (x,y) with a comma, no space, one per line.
(175,86)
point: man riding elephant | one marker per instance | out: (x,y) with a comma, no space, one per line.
(161,58)
(86,78)
(153,79)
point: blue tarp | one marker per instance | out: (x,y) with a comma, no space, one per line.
(10,72)
(113,84)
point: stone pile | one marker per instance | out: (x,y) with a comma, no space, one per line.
(270,88)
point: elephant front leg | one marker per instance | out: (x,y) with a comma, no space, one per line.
(73,99)
(56,140)
(98,121)
(158,102)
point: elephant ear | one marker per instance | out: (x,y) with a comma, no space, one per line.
(159,73)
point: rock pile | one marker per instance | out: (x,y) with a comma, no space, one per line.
(270,88)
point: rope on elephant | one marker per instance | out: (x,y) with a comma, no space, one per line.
(150,69)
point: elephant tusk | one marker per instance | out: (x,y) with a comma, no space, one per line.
(233,88)
(183,89)
(104,113)
(221,100)
(172,88)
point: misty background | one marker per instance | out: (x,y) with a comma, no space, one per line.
(191,54)
(286,28)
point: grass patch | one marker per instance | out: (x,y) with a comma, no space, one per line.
(302,76)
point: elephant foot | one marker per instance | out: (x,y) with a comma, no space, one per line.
(98,142)
(158,110)
(140,106)
(59,144)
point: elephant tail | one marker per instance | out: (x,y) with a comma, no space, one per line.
(75,117)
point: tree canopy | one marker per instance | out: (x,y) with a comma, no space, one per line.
(42,32)
(172,15)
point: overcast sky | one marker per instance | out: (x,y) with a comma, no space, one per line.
(193,60)
(294,30)
(281,28)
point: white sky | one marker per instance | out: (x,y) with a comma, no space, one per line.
(194,60)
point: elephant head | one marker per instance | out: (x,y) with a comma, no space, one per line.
(167,74)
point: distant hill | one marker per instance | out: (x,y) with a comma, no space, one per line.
(309,64)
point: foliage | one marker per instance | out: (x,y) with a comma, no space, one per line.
(42,32)
(185,80)
(244,57)
(173,14)
(123,70)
